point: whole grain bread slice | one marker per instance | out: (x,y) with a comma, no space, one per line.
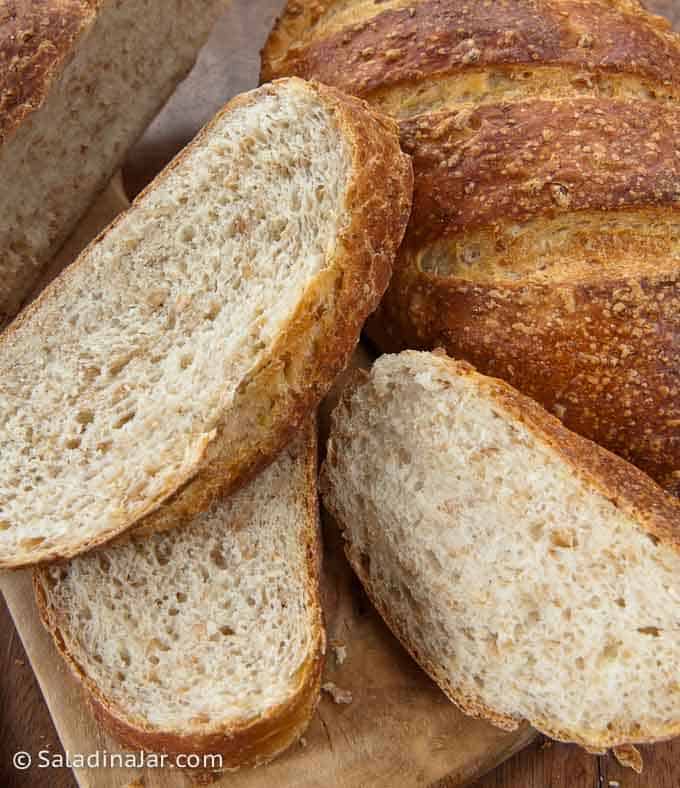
(209,638)
(531,573)
(79,82)
(185,345)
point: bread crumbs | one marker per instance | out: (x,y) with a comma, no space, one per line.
(338,694)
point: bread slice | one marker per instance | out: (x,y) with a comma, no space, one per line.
(79,82)
(187,343)
(209,638)
(531,573)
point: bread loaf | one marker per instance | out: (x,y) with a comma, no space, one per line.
(208,639)
(185,345)
(544,241)
(530,572)
(79,81)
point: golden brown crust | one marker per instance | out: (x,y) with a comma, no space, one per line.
(630,490)
(36,40)
(240,743)
(416,41)
(315,345)
(593,333)
(601,355)
(598,349)
(629,756)
(511,162)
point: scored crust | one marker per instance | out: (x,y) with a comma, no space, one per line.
(315,345)
(409,42)
(624,485)
(241,743)
(522,114)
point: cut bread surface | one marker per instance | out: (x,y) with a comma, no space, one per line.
(201,326)
(209,636)
(531,573)
(79,83)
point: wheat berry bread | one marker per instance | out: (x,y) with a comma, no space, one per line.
(545,235)
(185,345)
(79,82)
(531,573)
(208,638)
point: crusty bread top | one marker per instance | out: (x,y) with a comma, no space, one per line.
(544,236)
(532,573)
(506,163)
(363,47)
(203,325)
(209,638)
(36,40)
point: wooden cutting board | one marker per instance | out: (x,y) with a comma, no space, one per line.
(399,729)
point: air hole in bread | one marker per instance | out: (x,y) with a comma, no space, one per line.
(217,557)
(91,373)
(163,552)
(186,234)
(563,538)
(213,311)
(123,420)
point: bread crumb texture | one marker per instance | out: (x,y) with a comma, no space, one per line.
(203,629)
(112,387)
(527,586)
(79,82)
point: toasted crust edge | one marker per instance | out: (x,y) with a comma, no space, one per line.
(241,744)
(320,336)
(628,488)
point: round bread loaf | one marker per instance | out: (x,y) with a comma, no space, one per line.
(544,242)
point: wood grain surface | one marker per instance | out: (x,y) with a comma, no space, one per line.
(25,723)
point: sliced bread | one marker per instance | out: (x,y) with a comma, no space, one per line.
(79,82)
(209,638)
(185,345)
(531,573)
